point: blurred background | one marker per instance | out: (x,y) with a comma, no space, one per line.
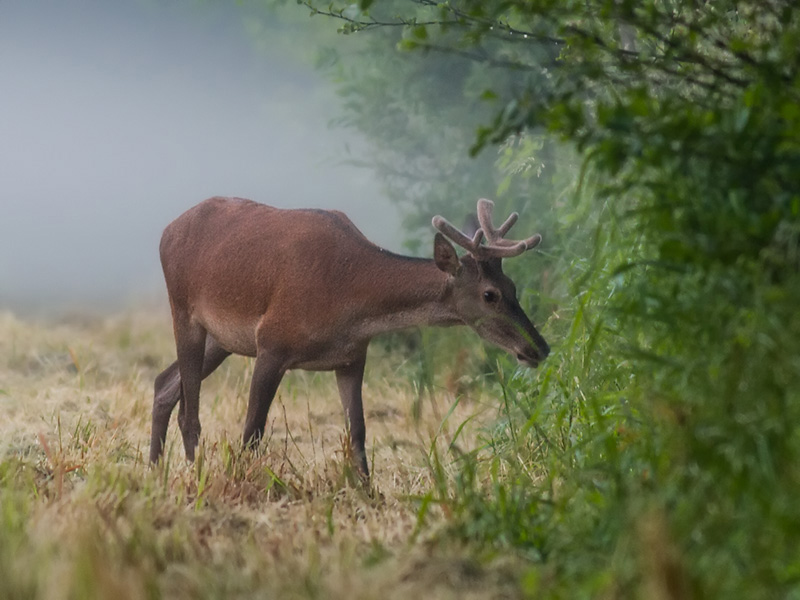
(115,117)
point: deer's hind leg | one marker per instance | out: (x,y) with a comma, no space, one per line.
(168,393)
(190,341)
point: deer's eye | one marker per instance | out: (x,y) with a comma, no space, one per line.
(491,296)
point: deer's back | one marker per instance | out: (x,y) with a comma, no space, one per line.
(233,264)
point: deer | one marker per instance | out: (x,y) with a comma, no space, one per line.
(305,289)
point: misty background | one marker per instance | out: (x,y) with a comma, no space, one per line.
(116,117)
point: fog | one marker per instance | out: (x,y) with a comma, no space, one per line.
(115,117)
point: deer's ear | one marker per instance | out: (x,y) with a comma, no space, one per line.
(445,255)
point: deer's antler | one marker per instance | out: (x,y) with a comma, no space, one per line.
(496,246)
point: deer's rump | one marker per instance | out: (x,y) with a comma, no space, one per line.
(238,267)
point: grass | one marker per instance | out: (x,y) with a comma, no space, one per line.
(82,515)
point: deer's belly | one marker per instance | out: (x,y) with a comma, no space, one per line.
(235,337)
(327,357)
(306,348)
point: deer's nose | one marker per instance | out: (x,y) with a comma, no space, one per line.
(544,349)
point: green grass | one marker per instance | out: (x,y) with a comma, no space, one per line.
(82,515)
(653,455)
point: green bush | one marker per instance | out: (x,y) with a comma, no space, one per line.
(655,453)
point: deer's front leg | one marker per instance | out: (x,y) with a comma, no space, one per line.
(350,379)
(267,375)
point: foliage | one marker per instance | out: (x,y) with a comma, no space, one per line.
(655,453)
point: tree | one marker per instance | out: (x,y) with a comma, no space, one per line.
(672,402)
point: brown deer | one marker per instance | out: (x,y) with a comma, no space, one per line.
(304,289)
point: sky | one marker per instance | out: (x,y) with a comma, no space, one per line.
(115,117)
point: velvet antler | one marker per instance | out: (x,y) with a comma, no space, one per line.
(496,246)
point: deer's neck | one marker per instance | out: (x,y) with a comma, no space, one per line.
(404,292)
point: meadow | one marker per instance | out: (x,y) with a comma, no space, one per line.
(83,515)
(653,455)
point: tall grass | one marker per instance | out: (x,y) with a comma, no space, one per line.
(82,515)
(655,453)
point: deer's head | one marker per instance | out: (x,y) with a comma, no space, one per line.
(482,295)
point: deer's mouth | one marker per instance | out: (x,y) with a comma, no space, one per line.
(528,361)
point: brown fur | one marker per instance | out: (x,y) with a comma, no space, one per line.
(305,289)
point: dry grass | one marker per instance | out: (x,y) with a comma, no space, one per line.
(86,517)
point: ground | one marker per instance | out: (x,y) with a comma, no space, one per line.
(85,516)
